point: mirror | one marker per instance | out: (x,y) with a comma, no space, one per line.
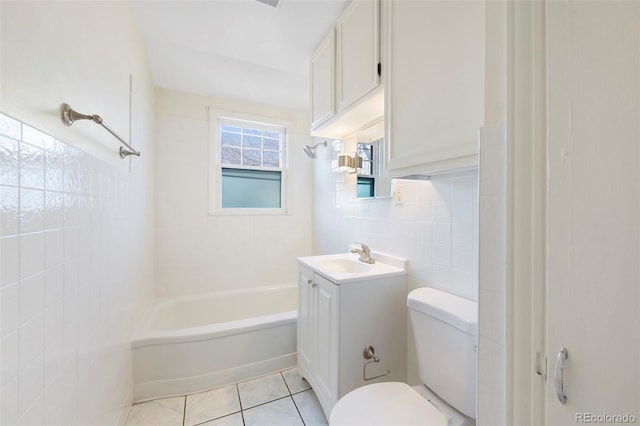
(372,182)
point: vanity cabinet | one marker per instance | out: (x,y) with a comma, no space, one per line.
(337,321)
(348,95)
(434,81)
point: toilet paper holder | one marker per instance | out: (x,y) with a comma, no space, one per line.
(369,353)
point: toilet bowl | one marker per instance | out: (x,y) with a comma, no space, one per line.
(445,331)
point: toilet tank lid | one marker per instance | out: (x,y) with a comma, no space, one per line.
(457,311)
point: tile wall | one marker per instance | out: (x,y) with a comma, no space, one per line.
(434,225)
(68,280)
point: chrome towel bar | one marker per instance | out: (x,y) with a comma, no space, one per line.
(69,116)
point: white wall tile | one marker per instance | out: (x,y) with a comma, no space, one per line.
(31,341)
(39,290)
(9,260)
(9,161)
(9,366)
(31,167)
(441,255)
(10,308)
(54,210)
(54,248)
(9,210)
(31,297)
(53,401)
(31,254)
(30,385)
(9,403)
(442,233)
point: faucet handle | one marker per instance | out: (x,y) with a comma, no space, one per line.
(365,248)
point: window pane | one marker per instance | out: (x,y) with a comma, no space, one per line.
(226,128)
(230,138)
(271,159)
(367,168)
(252,141)
(272,144)
(365,151)
(250,188)
(253,132)
(274,135)
(230,155)
(365,187)
(251,157)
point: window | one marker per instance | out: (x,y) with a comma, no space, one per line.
(249,164)
(367,174)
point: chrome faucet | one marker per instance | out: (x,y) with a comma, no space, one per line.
(365,254)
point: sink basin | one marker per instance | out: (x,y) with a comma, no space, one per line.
(346,266)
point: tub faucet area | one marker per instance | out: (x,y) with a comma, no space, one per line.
(365,254)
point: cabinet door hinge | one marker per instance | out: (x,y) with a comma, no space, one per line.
(379,69)
(541,365)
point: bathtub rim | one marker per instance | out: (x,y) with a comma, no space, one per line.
(145,335)
(149,337)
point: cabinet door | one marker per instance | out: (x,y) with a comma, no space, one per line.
(326,335)
(358,51)
(305,322)
(323,81)
(434,80)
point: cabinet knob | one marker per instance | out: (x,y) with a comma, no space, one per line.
(314,285)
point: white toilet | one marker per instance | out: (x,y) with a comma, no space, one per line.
(445,330)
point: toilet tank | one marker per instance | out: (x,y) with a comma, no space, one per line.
(445,329)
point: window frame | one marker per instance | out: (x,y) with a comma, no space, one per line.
(375,163)
(216,165)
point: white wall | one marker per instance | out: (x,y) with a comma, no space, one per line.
(76,232)
(492,342)
(197,252)
(434,227)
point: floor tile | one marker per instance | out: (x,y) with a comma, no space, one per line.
(263,389)
(281,412)
(232,420)
(294,381)
(310,408)
(159,412)
(211,405)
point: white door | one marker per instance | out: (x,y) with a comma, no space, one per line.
(593,287)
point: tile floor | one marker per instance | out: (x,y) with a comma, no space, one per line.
(279,399)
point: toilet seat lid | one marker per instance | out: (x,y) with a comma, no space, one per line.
(390,403)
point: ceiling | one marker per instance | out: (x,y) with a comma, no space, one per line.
(237,49)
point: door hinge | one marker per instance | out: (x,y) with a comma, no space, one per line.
(541,365)
(379,69)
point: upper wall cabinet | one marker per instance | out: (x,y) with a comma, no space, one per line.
(358,51)
(323,81)
(354,94)
(434,82)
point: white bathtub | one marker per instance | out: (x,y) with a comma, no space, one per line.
(190,344)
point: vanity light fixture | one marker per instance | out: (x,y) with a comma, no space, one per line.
(349,163)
